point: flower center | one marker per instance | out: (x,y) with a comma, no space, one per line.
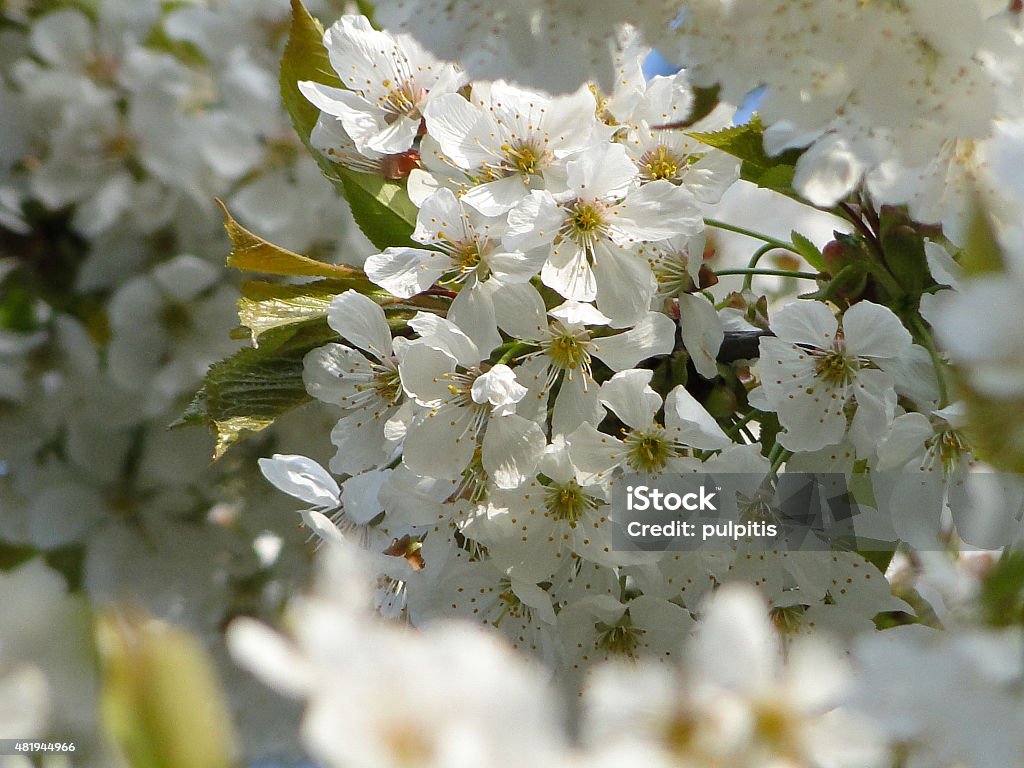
(460,384)
(659,164)
(568,349)
(568,502)
(621,638)
(835,368)
(650,450)
(524,157)
(400,100)
(383,382)
(948,446)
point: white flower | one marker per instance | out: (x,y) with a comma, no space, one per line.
(362,683)
(367,387)
(676,265)
(815,371)
(567,349)
(469,254)
(672,155)
(465,409)
(507,140)
(734,702)
(389,80)
(647,446)
(590,231)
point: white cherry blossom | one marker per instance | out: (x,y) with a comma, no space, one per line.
(388,81)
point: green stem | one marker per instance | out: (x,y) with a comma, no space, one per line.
(772,272)
(778,456)
(774,242)
(940,367)
(515,349)
(752,264)
(741,422)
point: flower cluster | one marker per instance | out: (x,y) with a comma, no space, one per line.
(559,333)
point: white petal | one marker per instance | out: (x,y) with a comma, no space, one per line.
(423,370)
(806,322)
(577,313)
(270,657)
(361,442)
(702,332)
(438,443)
(735,646)
(653,335)
(439,333)
(575,405)
(359,496)
(442,218)
(498,387)
(629,395)
(302,478)
(511,450)
(691,422)
(519,310)
(625,284)
(533,222)
(568,271)
(874,331)
(395,138)
(405,272)
(603,172)
(336,374)
(361,119)
(656,211)
(593,452)
(497,197)
(321,525)
(361,320)
(905,441)
(473,309)
(459,127)
(827,171)
(876,404)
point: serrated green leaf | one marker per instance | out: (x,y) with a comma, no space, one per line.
(381,208)
(251,253)
(778,178)
(746,142)
(808,250)
(248,391)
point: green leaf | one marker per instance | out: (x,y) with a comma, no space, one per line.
(245,393)
(251,253)
(265,306)
(381,208)
(746,142)
(808,250)
(778,178)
